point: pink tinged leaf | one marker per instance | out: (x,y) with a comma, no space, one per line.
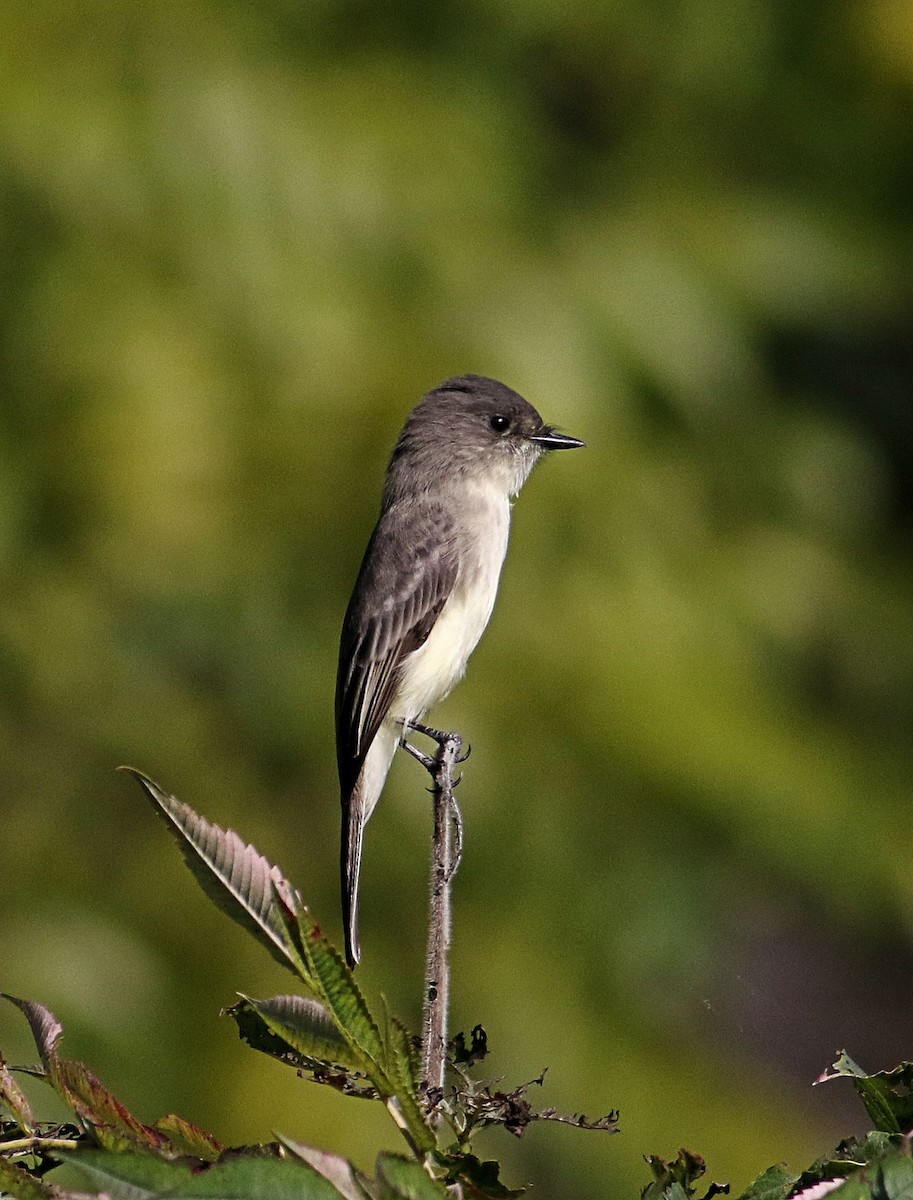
(15,1100)
(235,876)
(46,1029)
(819,1190)
(189,1139)
(337,1170)
(98,1106)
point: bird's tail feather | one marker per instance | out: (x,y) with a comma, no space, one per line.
(353,825)
(357,807)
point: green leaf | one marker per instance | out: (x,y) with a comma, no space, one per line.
(14,1099)
(406,1179)
(683,1172)
(254,1030)
(258,1035)
(888,1178)
(403,1061)
(253,1177)
(335,985)
(775,1184)
(886,1095)
(130,1176)
(245,1177)
(403,1069)
(46,1029)
(848,1156)
(300,1024)
(338,1171)
(14,1181)
(189,1139)
(235,876)
(482,1177)
(893,1176)
(256,894)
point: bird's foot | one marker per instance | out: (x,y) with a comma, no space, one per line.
(439,768)
(450,744)
(426,760)
(437,735)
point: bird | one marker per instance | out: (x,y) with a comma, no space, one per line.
(427,584)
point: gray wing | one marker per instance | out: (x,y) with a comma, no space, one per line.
(408,572)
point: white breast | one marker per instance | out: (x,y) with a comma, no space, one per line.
(432,670)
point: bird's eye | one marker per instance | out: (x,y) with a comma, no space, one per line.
(499,424)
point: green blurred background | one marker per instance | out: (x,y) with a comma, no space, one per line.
(238,241)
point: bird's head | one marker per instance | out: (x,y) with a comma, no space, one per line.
(475,428)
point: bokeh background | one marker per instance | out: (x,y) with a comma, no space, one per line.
(238,241)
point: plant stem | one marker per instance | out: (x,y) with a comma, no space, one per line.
(444,863)
(29,1144)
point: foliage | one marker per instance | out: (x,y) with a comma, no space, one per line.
(332,1037)
(237,242)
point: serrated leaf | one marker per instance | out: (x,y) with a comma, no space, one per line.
(14,1099)
(406,1179)
(189,1139)
(254,1030)
(46,1029)
(302,1024)
(886,1095)
(336,986)
(340,1173)
(20,1184)
(404,1065)
(402,1068)
(233,874)
(775,1184)
(367,1050)
(99,1107)
(130,1176)
(297,924)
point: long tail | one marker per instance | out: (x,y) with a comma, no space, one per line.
(353,825)
(356,809)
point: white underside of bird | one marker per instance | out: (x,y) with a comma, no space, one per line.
(439,664)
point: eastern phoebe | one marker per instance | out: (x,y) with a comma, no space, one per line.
(427,583)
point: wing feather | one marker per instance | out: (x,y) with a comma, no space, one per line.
(408,572)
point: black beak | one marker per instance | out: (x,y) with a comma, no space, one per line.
(549,439)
